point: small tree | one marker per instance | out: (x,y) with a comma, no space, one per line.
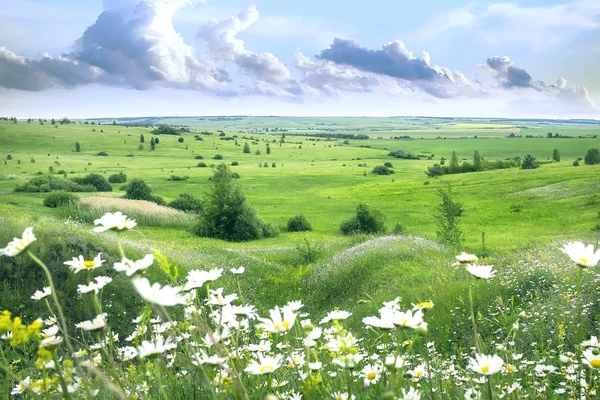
(477,161)
(152,144)
(246,148)
(556,155)
(448,216)
(268,149)
(529,162)
(53,121)
(592,157)
(453,168)
(364,221)
(77,147)
(142,138)
(298,223)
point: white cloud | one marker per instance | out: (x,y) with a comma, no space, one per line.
(463,17)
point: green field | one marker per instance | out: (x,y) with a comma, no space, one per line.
(526,216)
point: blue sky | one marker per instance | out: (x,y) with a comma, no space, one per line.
(185,57)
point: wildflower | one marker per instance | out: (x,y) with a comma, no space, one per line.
(238,271)
(197,278)
(16,246)
(294,306)
(371,374)
(472,394)
(395,362)
(264,365)
(486,365)
(582,255)
(315,366)
(423,306)
(411,394)
(116,221)
(342,396)
(79,264)
(130,267)
(40,294)
(263,346)
(593,342)
(164,296)
(385,322)
(96,286)
(481,271)
(337,315)
(408,319)
(464,258)
(51,342)
(278,323)
(158,346)
(591,359)
(97,323)
(50,331)
(216,297)
(21,386)
(203,358)
(348,360)
(419,371)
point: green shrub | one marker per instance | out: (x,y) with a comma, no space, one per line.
(298,223)
(137,189)
(382,170)
(448,216)
(225,213)
(180,140)
(95,180)
(399,229)
(178,178)
(198,157)
(41,184)
(529,162)
(365,221)
(201,165)
(217,157)
(59,199)
(118,178)
(186,202)
(102,154)
(388,164)
(235,163)
(592,157)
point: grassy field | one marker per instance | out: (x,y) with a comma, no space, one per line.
(526,216)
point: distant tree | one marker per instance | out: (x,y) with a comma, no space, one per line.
(529,162)
(180,140)
(114,122)
(77,147)
(556,155)
(592,157)
(477,162)
(137,189)
(53,121)
(268,149)
(142,138)
(152,144)
(156,140)
(28,120)
(246,148)
(448,216)
(453,168)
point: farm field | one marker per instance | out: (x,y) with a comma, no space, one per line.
(514,219)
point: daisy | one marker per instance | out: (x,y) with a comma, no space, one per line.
(164,296)
(278,323)
(486,365)
(130,267)
(238,271)
(79,264)
(582,255)
(337,315)
(197,278)
(264,364)
(385,322)
(96,286)
(21,386)
(116,221)
(466,258)
(423,306)
(411,394)
(216,297)
(408,319)
(40,294)
(348,360)
(481,271)
(158,346)
(97,323)
(16,246)
(591,359)
(371,374)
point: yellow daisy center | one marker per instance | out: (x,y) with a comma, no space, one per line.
(404,322)
(371,375)
(89,264)
(419,373)
(266,368)
(583,260)
(510,368)
(595,363)
(285,324)
(485,369)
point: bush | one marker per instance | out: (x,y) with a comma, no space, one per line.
(235,163)
(225,213)
(365,221)
(180,140)
(59,199)
(95,180)
(592,157)
(529,162)
(178,178)
(118,178)
(382,170)
(201,165)
(298,223)
(137,189)
(217,157)
(187,203)
(102,154)
(399,229)
(388,164)
(198,157)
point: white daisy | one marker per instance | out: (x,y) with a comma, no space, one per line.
(40,294)
(116,221)
(164,296)
(16,246)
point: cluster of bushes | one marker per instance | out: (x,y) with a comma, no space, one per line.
(118,178)
(382,170)
(60,199)
(478,164)
(169,130)
(178,178)
(137,189)
(402,155)
(42,184)
(187,203)
(365,221)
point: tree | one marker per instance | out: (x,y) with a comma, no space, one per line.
(142,138)
(365,220)
(226,214)
(77,147)
(477,161)
(556,155)
(268,149)
(592,157)
(152,144)
(453,168)
(529,162)
(448,216)
(53,121)
(246,148)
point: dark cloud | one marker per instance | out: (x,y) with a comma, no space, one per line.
(509,75)
(393,59)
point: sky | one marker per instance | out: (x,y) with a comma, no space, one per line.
(119,58)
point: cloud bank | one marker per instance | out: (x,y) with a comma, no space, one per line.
(134,44)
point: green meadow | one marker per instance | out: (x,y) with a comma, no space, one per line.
(514,219)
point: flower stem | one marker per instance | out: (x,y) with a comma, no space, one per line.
(490,388)
(477,344)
